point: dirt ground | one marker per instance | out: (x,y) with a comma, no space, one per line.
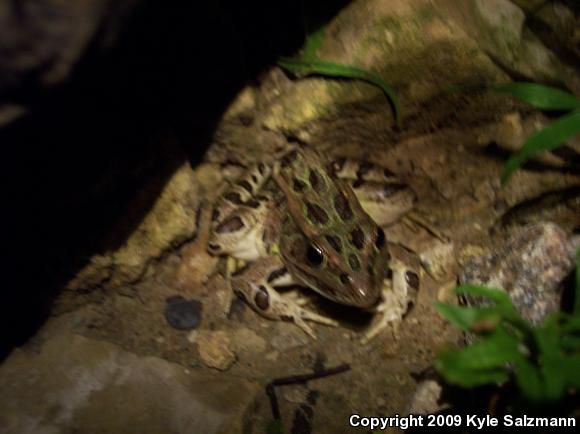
(450,149)
(459,196)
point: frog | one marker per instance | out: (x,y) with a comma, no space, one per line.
(301,219)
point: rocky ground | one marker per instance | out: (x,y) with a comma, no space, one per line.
(107,360)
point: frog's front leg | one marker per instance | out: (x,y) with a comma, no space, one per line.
(397,295)
(255,285)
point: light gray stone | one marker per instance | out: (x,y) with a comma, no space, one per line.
(74,384)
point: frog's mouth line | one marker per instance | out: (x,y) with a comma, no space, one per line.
(329,293)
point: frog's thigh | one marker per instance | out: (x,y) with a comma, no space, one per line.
(255,286)
(395,300)
(386,203)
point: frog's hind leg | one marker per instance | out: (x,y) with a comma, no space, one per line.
(382,195)
(255,285)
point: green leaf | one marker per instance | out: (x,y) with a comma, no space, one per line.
(550,360)
(495,294)
(275,427)
(304,67)
(544,140)
(469,318)
(492,351)
(570,367)
(571,323)
(481,363)
(313,43)
(540,96)
(528,378)
(570,343)
(503,301)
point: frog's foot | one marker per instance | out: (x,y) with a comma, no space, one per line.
(396,299)
(255,286)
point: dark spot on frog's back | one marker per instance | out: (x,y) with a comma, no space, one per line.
(289,158)
(345,279)
(230,225)
(316,214)
(261,168)
(182,314)
(343,207)
(381,239)
(354,262)
(316,181)
(358,238)
(334,241)
(297,185)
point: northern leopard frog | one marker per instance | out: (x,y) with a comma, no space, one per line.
(299,221)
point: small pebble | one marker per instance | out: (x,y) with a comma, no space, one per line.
(182,314)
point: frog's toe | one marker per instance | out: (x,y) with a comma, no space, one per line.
(314,317)
(304,327)
(385,321)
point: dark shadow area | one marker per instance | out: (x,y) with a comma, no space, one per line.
(125,118)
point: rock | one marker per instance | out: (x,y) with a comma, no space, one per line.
(287,338)
(500,28)
(512,131)
(171,220)
(438,259)
(214,349)
(246,342)
(182,314)
(426,398)
(42,41)
(74,384)
(296,394)
(530,266)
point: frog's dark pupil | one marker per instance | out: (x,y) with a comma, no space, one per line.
(314,255)
(380,240)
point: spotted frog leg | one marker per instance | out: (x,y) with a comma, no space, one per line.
(247,221)
(255,285)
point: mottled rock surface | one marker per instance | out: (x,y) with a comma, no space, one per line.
(69,383)
(530,266)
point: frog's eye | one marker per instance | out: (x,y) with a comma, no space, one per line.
(314,255)
(380,239)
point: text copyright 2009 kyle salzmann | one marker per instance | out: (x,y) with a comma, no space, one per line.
(456,420)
